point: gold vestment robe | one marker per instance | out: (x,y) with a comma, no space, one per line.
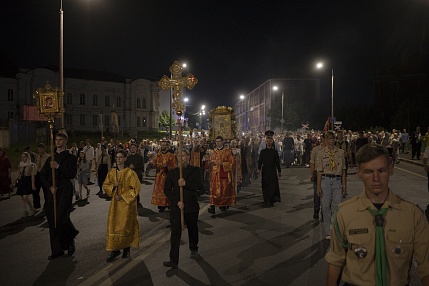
(222,192)
(122,223)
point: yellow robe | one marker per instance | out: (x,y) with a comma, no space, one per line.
(122,223)
(162,159)
(222,192)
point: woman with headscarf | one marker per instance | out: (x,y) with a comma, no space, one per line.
(26,186)
(5,173)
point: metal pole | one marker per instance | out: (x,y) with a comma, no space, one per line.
(171,98)
(61,58)
(332,101)
(281,122)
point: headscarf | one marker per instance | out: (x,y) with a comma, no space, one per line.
(28,163)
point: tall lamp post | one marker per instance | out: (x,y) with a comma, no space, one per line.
(61,58)
(320,66)
(282,120)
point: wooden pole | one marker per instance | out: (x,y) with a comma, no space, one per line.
(182,211)
(51,129)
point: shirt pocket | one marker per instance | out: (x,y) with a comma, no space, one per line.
(399,249)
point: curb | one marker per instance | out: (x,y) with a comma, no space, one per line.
(413,162)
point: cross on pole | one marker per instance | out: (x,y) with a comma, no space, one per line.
(177,82)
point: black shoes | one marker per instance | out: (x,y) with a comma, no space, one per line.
(56,255)
(194,254)
(211,210)
(170,264)
(316,215)
(72,248)
(113,255)
(161,209)
(126,254)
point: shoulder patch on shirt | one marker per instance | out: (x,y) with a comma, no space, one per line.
(358,231)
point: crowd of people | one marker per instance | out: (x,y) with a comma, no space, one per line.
(218,168)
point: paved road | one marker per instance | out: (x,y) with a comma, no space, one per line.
(248,245)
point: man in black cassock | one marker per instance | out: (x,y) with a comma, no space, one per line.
(62,236)
(269,161)
(191,183)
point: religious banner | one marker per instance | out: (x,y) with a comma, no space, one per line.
(222,123)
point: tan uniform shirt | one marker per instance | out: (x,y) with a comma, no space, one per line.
(323,162)
(41,160)
(406,233)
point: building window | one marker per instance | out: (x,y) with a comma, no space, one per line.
(95,100)
(82,99)
(106,120)
(10,114)
(10,95)
(144,102)
(94,120)
(107,101)
(138,102)
(69,119)
(118,101)
(119,120)
(69,99)
(82,119)
(144,121)
(139,122)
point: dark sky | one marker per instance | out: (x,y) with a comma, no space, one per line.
(231,46)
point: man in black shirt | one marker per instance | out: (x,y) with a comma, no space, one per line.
(191,183)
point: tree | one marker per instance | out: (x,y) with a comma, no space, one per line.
(164,119)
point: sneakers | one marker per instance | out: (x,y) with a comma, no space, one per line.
(211,210)
(328,237)
(126,254)
(170,264)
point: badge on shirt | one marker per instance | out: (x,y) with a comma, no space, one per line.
(358,231)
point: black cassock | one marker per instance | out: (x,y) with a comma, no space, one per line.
(269,162)
(62,236)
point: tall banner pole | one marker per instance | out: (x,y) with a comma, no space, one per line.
(50,105)
(176,82)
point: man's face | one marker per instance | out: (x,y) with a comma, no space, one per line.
(269,141)
(375,175)
(133,149)
(185,159)
(330,140)
(60,142)
(163,146)
(219,143)
(120,159)
(340,136)
(40,150)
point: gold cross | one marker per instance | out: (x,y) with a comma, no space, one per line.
(177,82)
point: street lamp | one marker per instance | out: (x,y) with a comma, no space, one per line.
(202,112)
(282,120)
(320,66)
(61,58)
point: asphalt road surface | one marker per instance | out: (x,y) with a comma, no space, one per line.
(249,244)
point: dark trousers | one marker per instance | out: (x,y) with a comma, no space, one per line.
(416,150)
(36,193)
(316,198)
(191,220)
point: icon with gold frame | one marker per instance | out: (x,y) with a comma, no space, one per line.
(222,123)
(49,101)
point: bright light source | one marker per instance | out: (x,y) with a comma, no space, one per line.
(242,96)
(184,65)
(202,107)
(319,65)
(275,87)
(186,99)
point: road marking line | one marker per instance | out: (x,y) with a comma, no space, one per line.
(411,172)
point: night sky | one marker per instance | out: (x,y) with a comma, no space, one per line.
(231,46)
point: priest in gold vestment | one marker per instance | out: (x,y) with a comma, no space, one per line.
(222,192)
(123,185)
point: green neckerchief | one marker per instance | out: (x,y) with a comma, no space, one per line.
(380,255)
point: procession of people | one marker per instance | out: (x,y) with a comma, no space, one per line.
(218,168)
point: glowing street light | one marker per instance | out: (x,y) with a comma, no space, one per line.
(282,120)
(319,65)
